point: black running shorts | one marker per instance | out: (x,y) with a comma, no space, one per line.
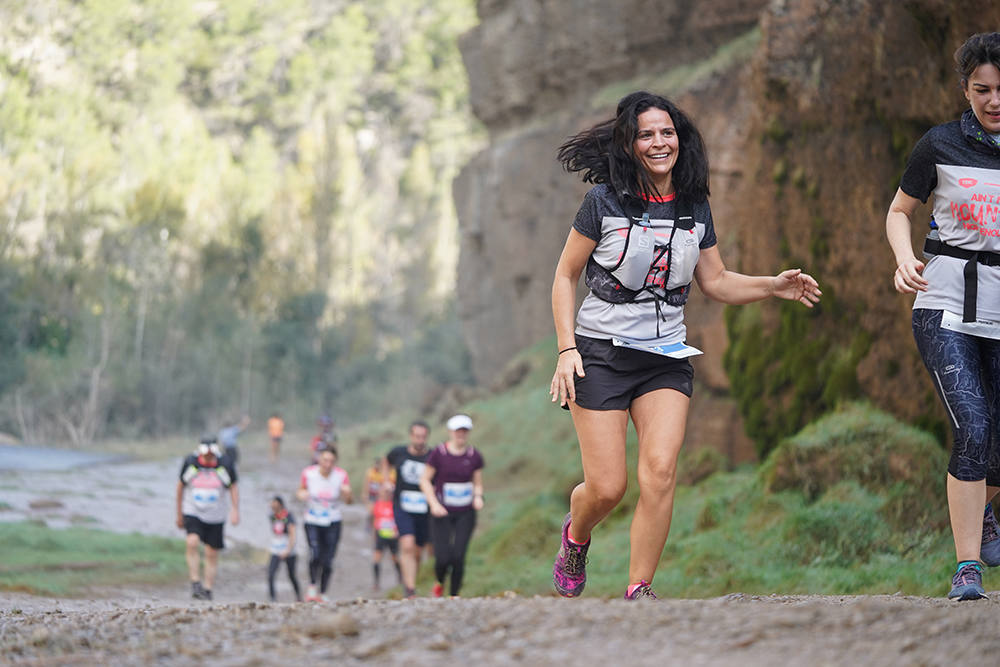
(616,376)
(210,534)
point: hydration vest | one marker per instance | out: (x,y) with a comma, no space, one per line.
(625,282)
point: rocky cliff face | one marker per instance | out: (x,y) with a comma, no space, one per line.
(809,110)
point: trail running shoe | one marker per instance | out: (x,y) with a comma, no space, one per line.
(569,572)
(967,584)
(438,590)
(196,590)
(989,552)
(641,592)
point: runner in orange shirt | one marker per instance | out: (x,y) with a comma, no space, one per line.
(276,429)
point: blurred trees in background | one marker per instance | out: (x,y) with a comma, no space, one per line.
(209,208)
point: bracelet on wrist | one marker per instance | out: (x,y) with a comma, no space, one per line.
(567,349)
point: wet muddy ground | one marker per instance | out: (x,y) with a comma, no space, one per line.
(163,625)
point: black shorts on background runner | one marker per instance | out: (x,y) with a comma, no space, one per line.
(616,376)
(209,533)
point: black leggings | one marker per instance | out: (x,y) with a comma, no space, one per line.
(322,548)
(272,569)
(966,373)
(450,536)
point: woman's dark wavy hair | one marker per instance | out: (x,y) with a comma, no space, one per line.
(978,50)
(604,152)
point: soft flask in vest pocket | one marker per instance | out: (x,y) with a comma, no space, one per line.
(637,255)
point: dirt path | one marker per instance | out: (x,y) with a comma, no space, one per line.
(735,630)
(163,625)
(139,497)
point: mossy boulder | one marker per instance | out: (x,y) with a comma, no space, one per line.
(861,444)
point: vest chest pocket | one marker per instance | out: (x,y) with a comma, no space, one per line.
(684,253)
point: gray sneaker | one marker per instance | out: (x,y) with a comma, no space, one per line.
(967,584)
(989,552)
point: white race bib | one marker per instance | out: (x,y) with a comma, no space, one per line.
(981,328)
(204,498)
(413,502)
(457,494)
(279,543)
(678,350)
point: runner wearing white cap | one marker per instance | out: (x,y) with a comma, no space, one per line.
(452,482)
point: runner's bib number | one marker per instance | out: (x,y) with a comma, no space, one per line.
(413,502)
(319,509)
(387,528)
(205,498)
(457,494)
(678,350)
(279,543)
(981,327)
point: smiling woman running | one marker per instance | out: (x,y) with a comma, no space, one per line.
(643,233)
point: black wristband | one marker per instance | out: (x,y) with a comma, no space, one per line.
(567,349)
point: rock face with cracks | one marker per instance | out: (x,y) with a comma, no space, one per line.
(809,110)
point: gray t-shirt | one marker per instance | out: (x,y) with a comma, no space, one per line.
(958,163)
(602,218)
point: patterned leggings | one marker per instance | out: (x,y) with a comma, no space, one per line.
(966,373)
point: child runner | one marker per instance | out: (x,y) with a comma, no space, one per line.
(282,546)
(386,534)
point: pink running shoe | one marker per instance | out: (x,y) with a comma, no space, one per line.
(641,592)
(569,572)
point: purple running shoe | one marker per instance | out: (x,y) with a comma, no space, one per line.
(569,572)
(989,552)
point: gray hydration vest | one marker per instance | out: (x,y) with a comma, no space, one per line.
(625,282)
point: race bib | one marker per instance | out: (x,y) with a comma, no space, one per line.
(320,512)
(981,328)
(204,498)
(279,543)
(457,494)
(413,502)
(387,528)
(677,350)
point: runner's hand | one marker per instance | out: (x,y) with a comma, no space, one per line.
(568,367)
(180,521)
(234,517)
(795,285)
(439,510)
(908,278)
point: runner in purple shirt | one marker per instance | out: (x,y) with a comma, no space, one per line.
(452,482)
